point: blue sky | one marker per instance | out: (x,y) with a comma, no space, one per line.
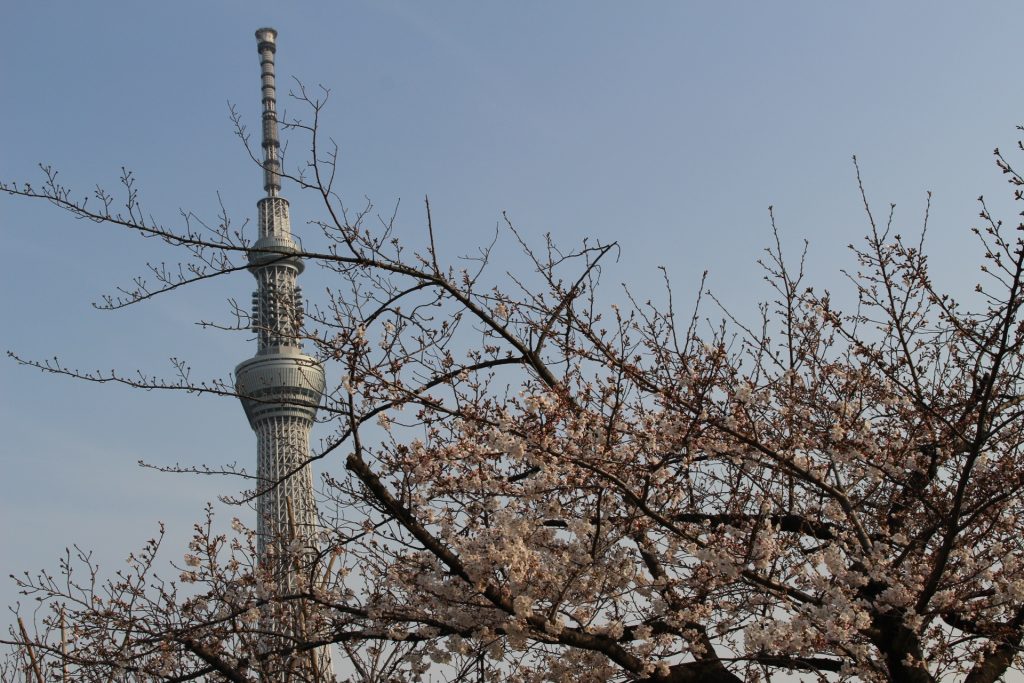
(668,126)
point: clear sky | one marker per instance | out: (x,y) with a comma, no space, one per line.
(669,126)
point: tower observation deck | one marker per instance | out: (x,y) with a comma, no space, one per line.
(281,387)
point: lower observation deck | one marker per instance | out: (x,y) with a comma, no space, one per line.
(283,384)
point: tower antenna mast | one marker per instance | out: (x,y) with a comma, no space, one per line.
(280,388)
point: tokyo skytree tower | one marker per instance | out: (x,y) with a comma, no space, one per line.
(280,388)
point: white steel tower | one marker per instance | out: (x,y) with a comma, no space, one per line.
(280,388)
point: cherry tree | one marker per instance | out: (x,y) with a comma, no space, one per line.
(536,485)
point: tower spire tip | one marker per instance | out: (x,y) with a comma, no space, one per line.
(266,35)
